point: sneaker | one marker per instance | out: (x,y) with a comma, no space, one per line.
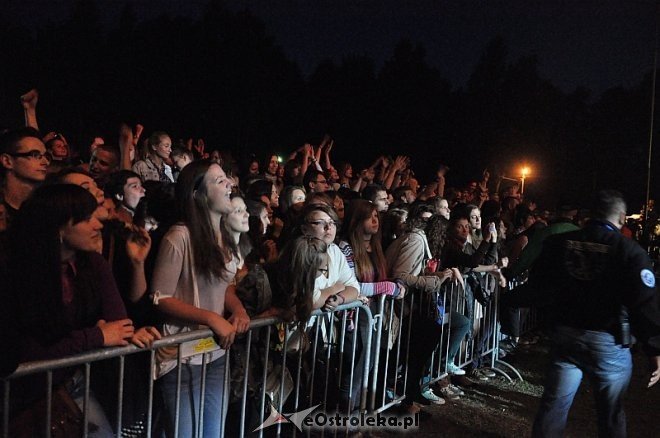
(477,374)
(454,370)
(509,345)
(449,394)
(429,395)
(488,372)
(456,390)
(529,341)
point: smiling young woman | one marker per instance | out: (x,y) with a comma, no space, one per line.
(69,303)
(192,287)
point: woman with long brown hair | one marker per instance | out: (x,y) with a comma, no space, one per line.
(191,285)
(361,245)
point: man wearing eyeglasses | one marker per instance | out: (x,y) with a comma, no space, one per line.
(24,165)
(315,181)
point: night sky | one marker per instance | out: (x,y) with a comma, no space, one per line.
(597,44)
(593,45)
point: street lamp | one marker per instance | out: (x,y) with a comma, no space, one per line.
(525,172)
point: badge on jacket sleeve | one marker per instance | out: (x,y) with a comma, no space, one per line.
(648,278)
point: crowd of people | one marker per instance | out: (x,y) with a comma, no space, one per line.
(157,236)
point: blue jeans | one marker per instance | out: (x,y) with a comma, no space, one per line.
(189,406)
(608,367)
(98,425)
(459,327)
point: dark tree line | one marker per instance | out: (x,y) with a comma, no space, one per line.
(223,78)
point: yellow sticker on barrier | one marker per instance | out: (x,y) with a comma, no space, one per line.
(204,345)
(200,346)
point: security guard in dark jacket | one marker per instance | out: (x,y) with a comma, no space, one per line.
(597,286)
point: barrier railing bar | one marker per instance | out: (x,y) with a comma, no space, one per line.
(150,402)
(120,393)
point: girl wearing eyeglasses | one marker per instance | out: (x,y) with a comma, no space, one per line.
(338,285)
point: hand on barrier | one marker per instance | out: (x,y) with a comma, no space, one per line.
(444,274)
(240,320)
(457,276)
(363,298)
(223,330)
(333,302)
(145,337)
(402,292)
(116,333)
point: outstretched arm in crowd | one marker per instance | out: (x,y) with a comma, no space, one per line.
(128,141)
(308,152)
(326,154)
(29,101)
(398,165)
(483,184)
(137,249)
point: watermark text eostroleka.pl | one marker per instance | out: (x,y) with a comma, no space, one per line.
(309,420)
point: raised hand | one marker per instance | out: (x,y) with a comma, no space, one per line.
(270,250)
(136,135)
(138,244)
(329,147)
(399,162)
(200,146)
(48,137)
(29,100)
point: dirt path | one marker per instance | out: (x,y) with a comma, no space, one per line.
(497,408)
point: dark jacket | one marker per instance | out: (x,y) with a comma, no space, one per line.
(586,276)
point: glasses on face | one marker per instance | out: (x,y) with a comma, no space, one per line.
(324,224)
(321,181)
(35,154)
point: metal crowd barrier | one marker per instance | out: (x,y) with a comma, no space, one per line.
(354,359)
(331,358)
(530,318)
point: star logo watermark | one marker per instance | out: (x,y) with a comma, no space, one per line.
(295,418)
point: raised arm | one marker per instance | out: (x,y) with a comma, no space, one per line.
(128,141)
(29,102)
(328,148)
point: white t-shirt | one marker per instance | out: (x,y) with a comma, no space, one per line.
(338,271)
